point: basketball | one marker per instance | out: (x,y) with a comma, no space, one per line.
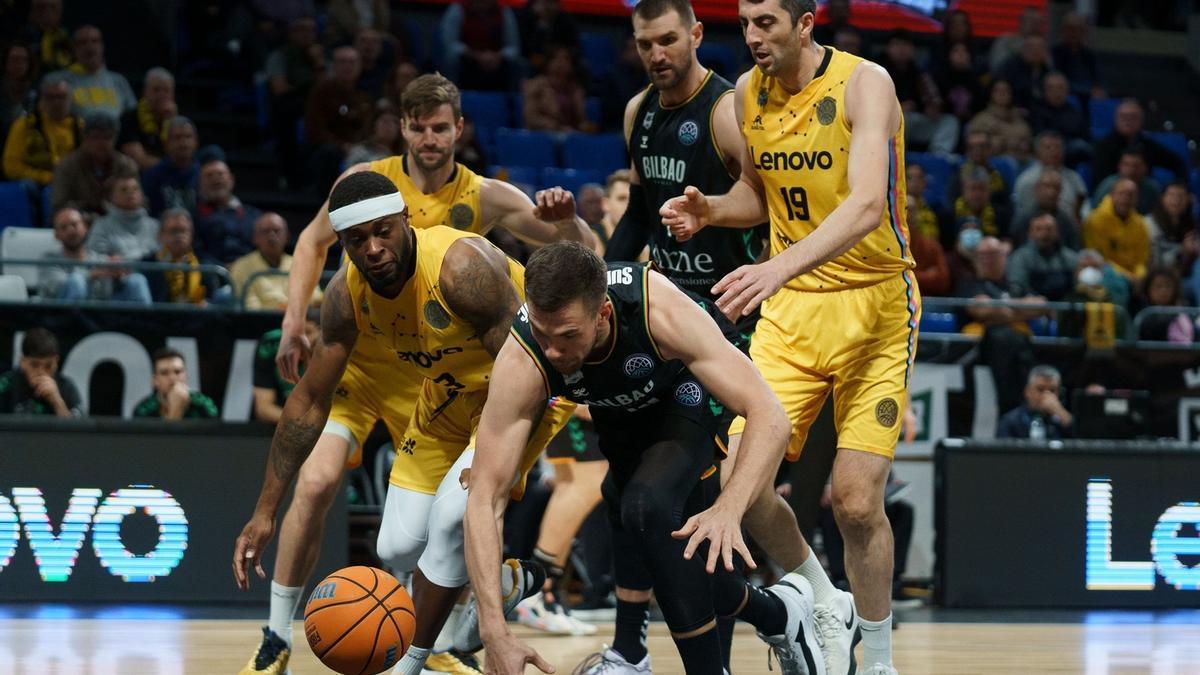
(359,621)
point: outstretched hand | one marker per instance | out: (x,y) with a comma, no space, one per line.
(745,288)
(248,550)
(722,529)
(685,215)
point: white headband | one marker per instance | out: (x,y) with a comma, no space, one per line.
(365,211)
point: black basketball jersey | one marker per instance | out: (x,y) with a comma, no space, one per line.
(672,148)
(634,375)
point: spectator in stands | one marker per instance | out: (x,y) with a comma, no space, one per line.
(542,26)
(922,216)
(399,77)
(1043,266)
(67,282)
(1110,286)
(1097,283)
(482,42)
(555,100)
(268,291)
(1005,346)
(591,204)
(182,286)
(144,129)
(80,177)
(385,139)
(616,200)
(1055,112)
(625,79)
(1046,199)
(956,30)
(45,35)
(224,225)
(1173,233)
(848,39)
(1119,232)
(270,388)
(467,150)
(336,116)
(1048,154)
(171,398)
(172,182)
(933,274)
(961,260)
(36,387)
(975,203)
(1132,166)
(1003,123)
(94,86)
(961,84)
(124,232)
(1128,132)
(15,84)
(39,140)
(837,17)
(1008,45)
(978,155)
(1076,60)
(292,70)
(1162,287)
(1026,70)
(346,19)
(1042,415)
(378,58)
(925,123)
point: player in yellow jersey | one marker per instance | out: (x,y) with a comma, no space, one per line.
(446,299)
(439,191)
(824,135)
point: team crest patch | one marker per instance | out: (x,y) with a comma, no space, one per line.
(689,131)
(461,216)
(648,120)
(435,315)
(638,366)
(689,393)
(826,111)
(886,412)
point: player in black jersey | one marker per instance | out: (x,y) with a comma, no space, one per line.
(655,369)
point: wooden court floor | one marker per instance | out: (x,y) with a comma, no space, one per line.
(46,646)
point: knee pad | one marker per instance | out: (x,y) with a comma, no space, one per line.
(444,560)
(646,512)
(405,528)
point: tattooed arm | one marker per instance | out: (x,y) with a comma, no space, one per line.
(304,417)
(477,287)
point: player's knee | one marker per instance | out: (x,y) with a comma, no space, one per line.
(856,510)
(316,487)
(645,512)
(399,547)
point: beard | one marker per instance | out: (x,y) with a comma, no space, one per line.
(672,77)
(430,167)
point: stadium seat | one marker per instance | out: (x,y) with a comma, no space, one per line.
(720,57)
(599,52)
(938,322)
(1162,175)
(593,109)
(14,206)
(524,177)
(13,288)
(1084,169)
(516,104)
(1101,113)
(26,243)
(1176,143)
(938,170)
(1007,166)
(47,210)
(571,179)
(521,147)
(1044,326)
(599,152)
(487,109)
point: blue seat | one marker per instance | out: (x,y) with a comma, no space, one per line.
(1007,166)
(47,211)
(526,178)
(1044,326)
(1176,143)
(939,322)
(1084,169)
(521,147)
(571,179)
(720,57)
(938,171)
(599,152)
(593,109)
(1101,115)
(14,206)
(598,51)
(516,104)
(1162,176)
(487,109)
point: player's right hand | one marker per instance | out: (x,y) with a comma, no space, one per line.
(294,350)
(249,548)
(506,655)
(685,215)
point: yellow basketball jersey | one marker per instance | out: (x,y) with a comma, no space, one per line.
(800,145)
(417,327)
(455,204)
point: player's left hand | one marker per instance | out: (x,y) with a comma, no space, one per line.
(745,288)
(554,204)
(248,550)
(508,656)
(722,529)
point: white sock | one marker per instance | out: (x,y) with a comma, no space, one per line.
(877,641)
(508,581)
(412,662)
(823,590)
(284,601)
(445,639)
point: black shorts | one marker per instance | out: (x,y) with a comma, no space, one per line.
(577,442)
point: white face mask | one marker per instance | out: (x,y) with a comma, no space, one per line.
(1090,276)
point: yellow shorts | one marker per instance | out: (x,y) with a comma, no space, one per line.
(443,425)
(858,343)
(360,400)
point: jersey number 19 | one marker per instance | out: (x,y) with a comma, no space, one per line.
(796,200)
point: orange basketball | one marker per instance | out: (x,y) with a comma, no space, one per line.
(359,621)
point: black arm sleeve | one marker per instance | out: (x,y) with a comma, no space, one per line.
(633,231)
